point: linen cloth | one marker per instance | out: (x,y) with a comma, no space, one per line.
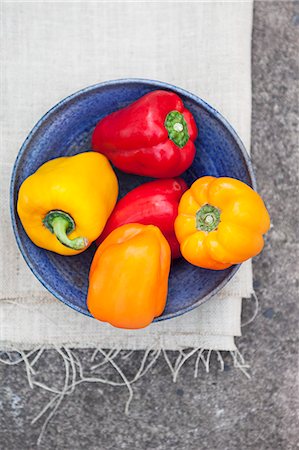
(50,50)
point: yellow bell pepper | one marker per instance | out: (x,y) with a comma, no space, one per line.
(65,204)
(221,222)
(128,278)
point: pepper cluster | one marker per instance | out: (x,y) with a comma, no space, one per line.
(70,202)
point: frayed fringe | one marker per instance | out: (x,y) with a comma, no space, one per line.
(74,374)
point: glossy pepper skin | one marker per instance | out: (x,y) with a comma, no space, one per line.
(154,136)
(153,203)
(221,222)
(65,204)
(128,279)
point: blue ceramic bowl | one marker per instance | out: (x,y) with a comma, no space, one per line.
(66,130)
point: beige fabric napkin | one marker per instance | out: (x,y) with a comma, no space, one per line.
(50,50)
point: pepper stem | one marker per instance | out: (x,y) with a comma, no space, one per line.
(207,218)
(61,224)
(176,126)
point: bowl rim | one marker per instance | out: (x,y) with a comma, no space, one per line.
(154,83)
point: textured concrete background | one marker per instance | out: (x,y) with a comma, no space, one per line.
(217,410)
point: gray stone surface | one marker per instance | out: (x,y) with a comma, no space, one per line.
(217,410)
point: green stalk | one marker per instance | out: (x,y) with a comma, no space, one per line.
(61,224)
(207,218)
(176,126)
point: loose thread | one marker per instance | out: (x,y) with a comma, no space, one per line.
(20,360)
(168,362)
(111,354)
(73,367)
(183,360)
(144,359)
(144,369)
(128,354)
(121,373)
(197,362)
(220,359)
(240,365)
(47,388)
(37,356)
(45,409)
(178,360)
(94,355)
(255,312)
(151,363)
(29,370)
(239,354)
(207,361)
(45,424)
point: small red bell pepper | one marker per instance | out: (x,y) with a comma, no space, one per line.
(154,136)
(153,203)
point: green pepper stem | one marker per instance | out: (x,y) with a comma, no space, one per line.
(177,129)
(207,218)
(61,224)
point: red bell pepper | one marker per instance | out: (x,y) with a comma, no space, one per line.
(153,203)
(154,136)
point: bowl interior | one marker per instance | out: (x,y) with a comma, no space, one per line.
(67,130)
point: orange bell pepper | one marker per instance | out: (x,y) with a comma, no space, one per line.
(128,279)
(221,222)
